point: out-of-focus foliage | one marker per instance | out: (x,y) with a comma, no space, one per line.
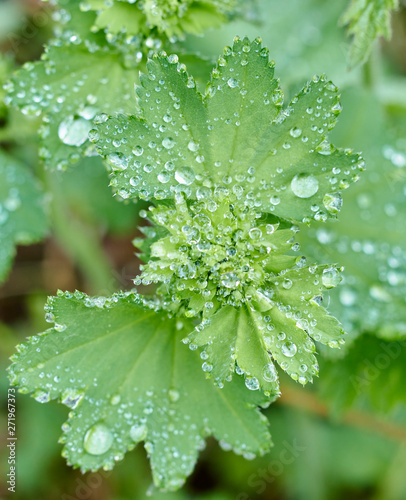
(367,20)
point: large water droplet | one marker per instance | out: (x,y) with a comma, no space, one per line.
(72,397)
(138,433)
(333,202)
(187,271)
(289,349)
(269,373)
(98,440)
(230,280)
(168,143)
(304,185)
(74,131)
(41,396)
(118,161)
(185,175)
(252,383)
(330,277)
(232,82)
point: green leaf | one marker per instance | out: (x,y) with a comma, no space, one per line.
(172,18)
(367,20)
(372,371)
(369,239)
(236,133)
(256,303)
(122,369)
(275,325)
(22,215)
(70,87)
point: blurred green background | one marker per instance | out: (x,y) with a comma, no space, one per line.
(342,438)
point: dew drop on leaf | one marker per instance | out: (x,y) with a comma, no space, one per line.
(138,150)
(269,373)
(333,202)
(74,131)
(330,277)
(304,185)
(252,383)
(185,175)
(229,280)
(41,396)
(72,397)
(138,433)
(232,82)
(168,143)
(98,440)
(289,349)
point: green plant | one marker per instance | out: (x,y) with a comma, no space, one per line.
(228,175)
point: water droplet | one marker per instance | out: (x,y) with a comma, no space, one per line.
(232,82)
(118,161)
(74,131)
(230,280)
(287,284)
(98,440)
(138,433)
(138,150)
(41,396)
(289,349)
(115,399)
(255,233)
(295,132)
(168,143)
(252,383)
(331,277)
(304,185)
(72,397)
(187,271)
(193,146)
(207,367)
(185,175)
(174,395)
(333,202)
(269,373)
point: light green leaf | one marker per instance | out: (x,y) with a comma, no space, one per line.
(372,371)
(236,133)
(277,325)
(70,87)
(367,20)
(172,18)
(369,239)
(122,369)
(22,214)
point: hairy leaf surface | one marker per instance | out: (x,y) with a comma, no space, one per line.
(235,134)
(369,239)
(121,368)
